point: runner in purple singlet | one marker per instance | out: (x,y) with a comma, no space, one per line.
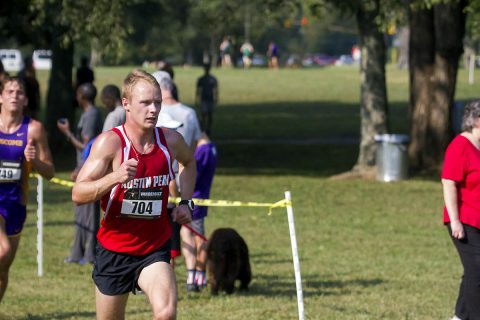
(23,146)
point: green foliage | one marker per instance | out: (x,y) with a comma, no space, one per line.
(85,20)
(390,12)
(180,31)
(473,22)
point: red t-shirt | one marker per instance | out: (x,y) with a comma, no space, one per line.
(462,165)
(136,220)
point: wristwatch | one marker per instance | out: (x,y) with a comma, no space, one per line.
(189,204)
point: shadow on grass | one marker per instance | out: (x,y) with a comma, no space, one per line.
(289,138)
(338,287)
(51,224)
(73,315)
(297,120)
(271,285)
(304,160)
(61,315)
(267,258)
(293,138)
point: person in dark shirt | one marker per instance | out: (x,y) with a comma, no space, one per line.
(32,88)
(87,216)
(206,98)
(84,73)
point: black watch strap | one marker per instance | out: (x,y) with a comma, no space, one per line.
(189,204)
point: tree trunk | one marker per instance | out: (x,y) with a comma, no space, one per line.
(422,65)
(374,103)
(435,48)
(60,92)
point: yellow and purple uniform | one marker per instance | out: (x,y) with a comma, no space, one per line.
(14,171)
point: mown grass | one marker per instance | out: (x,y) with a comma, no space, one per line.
(368,250)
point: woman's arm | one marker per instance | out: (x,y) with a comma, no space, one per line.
(451,203)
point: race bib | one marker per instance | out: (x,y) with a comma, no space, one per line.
(142,203)
(10,171)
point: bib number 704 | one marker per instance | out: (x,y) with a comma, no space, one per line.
(148,209)
(140,207)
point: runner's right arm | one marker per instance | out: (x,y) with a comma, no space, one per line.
(102,170)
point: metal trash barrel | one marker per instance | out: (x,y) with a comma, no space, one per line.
(392,157)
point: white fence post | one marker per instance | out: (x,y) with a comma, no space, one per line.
(40,226)
(296,261)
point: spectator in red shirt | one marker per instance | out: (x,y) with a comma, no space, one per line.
(461,191)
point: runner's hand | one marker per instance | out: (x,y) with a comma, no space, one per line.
(181,214)
(30,150)
(127,170)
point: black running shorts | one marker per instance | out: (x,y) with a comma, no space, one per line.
(117,273)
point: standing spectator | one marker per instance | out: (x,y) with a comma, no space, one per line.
(195,248)
(134,238)
(206,98)
(23,145)
(357,53)
(272,54)
(225,52)
(247,52)
(111,99)
(32,87)
(84,73)
(167,67)
(461,187)
(87,216)
(190,130)
(469,53)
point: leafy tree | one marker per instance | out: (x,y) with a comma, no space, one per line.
(67,22)
(252,19)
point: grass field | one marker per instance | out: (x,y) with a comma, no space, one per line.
(368,250)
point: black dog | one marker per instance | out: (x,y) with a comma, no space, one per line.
(228,260)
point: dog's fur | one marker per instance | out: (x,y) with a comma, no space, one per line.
(227,261)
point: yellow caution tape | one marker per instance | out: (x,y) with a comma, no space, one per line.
(62,182)
(227,203)
(201,202)
(55,180)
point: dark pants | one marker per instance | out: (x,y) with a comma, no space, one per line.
(87,219)
(175,238)
(468,301)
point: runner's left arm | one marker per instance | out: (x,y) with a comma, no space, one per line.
(187,171)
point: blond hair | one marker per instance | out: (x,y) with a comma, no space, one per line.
(133,78)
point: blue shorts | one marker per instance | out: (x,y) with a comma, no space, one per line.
(14,215)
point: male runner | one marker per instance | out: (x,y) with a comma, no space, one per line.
(23,145)
(129,169)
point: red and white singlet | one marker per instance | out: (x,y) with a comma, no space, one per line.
(136,220)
